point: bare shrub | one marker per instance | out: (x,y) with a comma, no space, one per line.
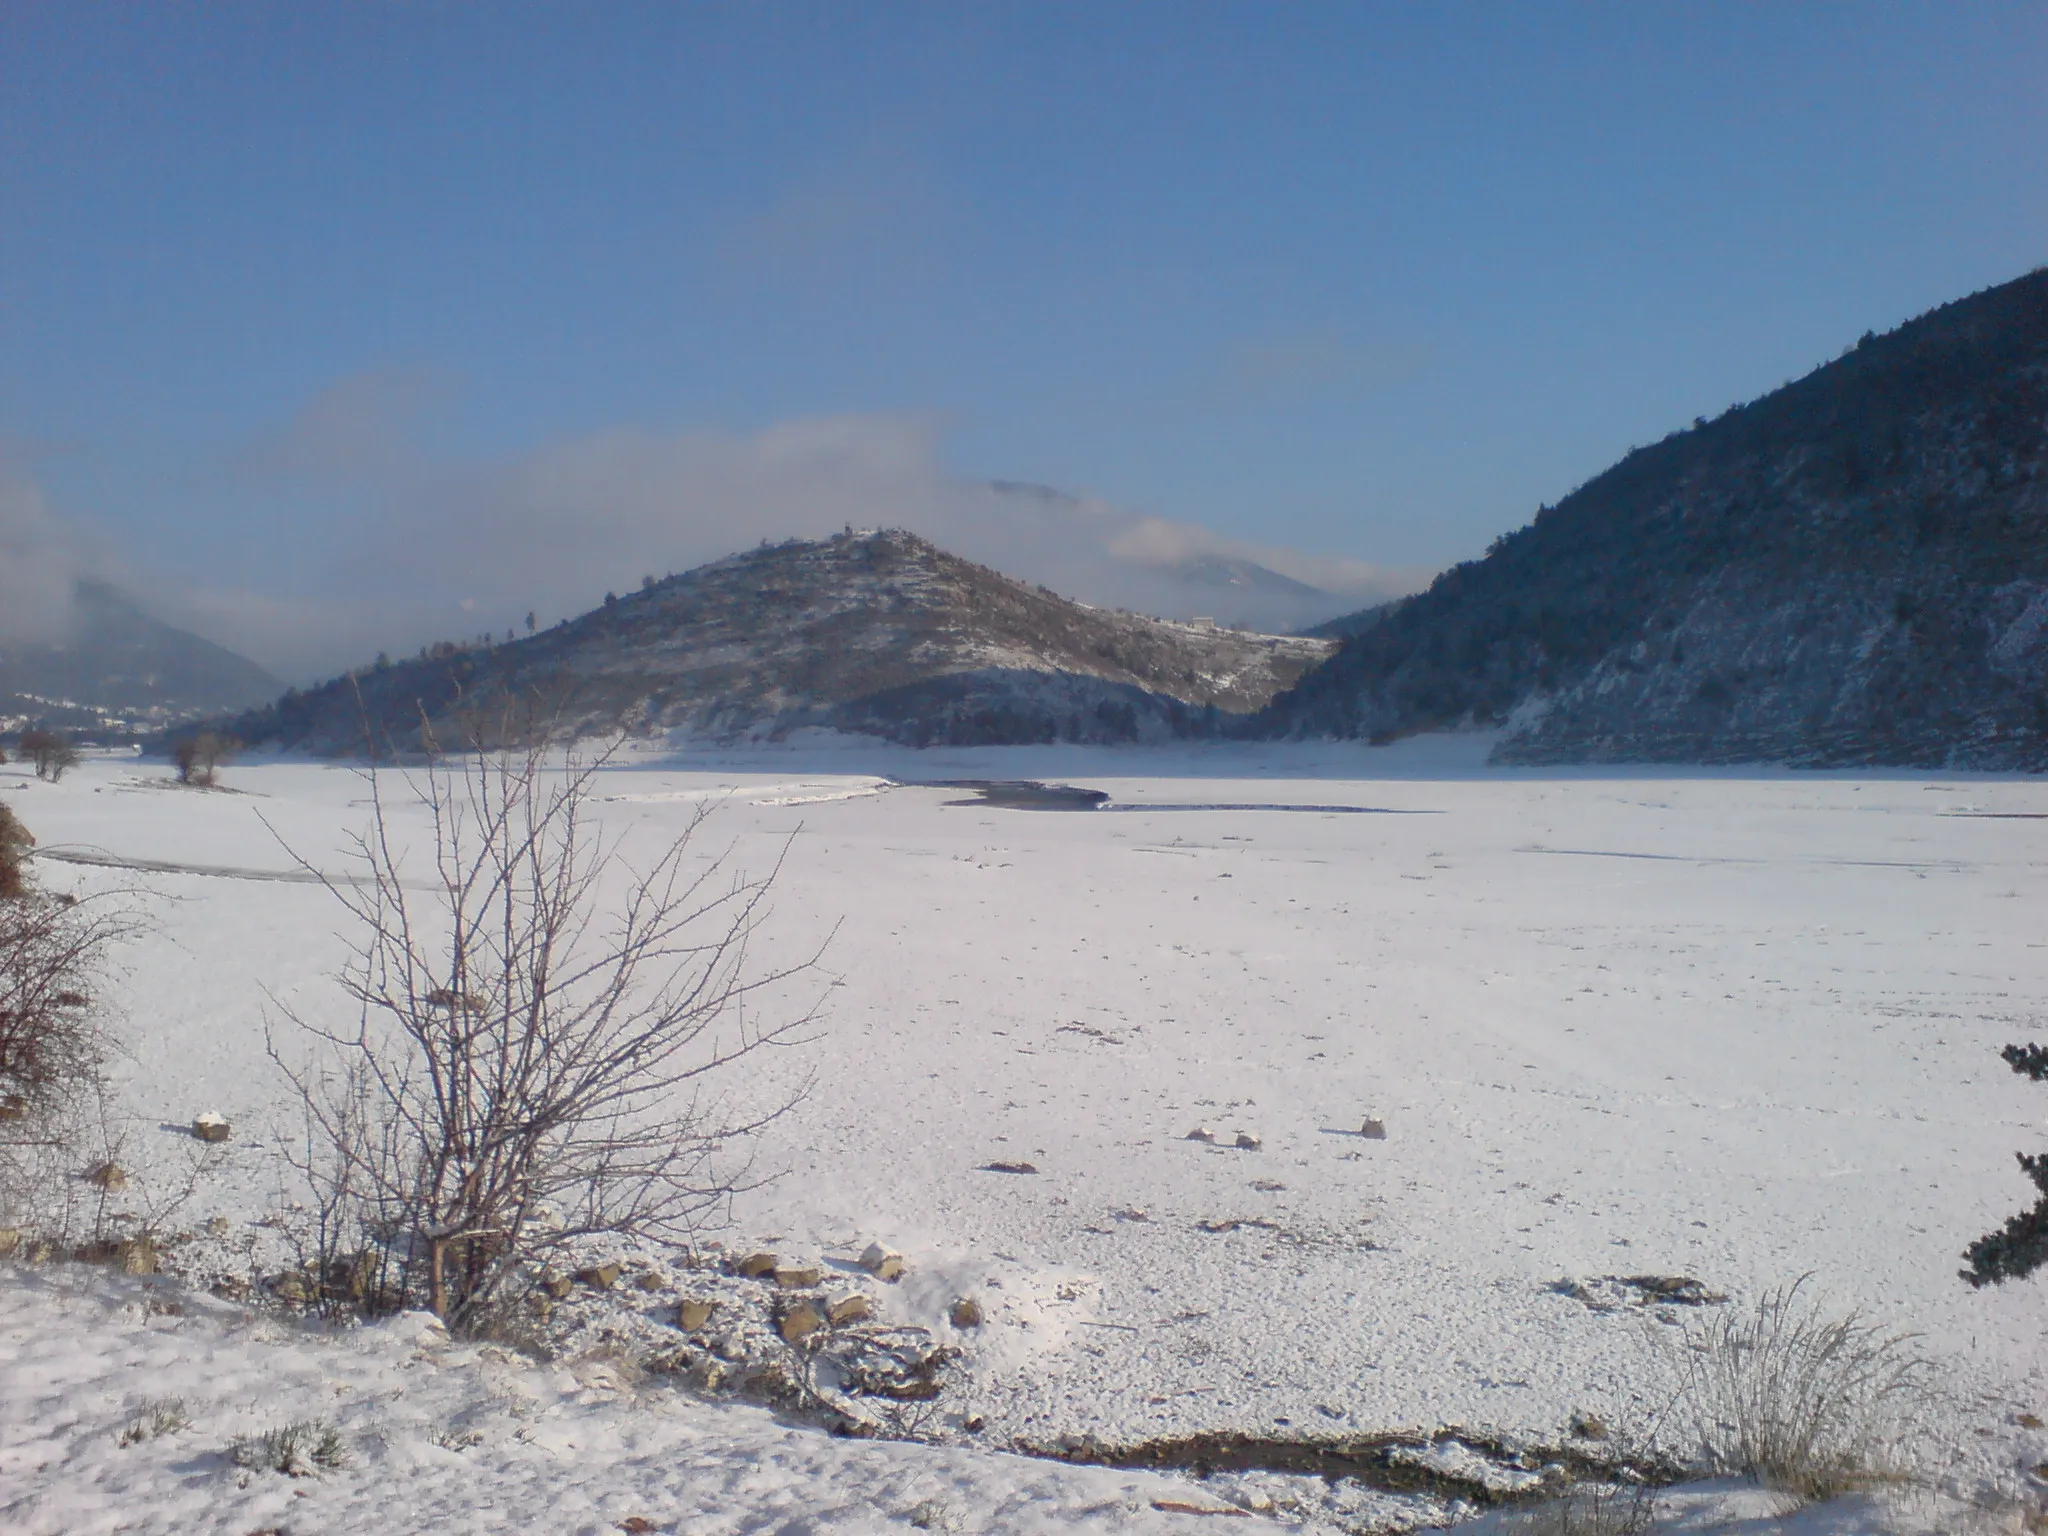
(198,757)
(542,1030)
(1806,1402)
(53,1049)
(302,1449)
(50,751)
(51,954)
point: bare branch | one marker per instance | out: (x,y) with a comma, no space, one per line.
(537,1023)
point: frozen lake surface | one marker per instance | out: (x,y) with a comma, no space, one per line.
(1735,1028)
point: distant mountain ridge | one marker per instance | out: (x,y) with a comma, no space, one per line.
(120,669)
(1852,569)
(880,633)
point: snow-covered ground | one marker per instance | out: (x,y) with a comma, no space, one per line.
(1736,1028)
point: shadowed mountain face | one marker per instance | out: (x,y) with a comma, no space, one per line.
(879,633)
(1851,570)
(119,669)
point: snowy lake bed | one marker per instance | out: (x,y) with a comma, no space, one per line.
(1642,1043)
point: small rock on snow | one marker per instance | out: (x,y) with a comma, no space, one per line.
(882,1262)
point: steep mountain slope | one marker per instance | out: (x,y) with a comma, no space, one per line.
(1853,569)
(120,669)
(881,633)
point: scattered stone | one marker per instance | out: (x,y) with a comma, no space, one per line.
(558,1286)
(1247,1142)
(966,1313)
(1268,1186)
(108,1176)
(211,1127)
(13,1107)
(1131,1213)
(1008,1168)
(975,1424)
(694,1312)
(637,1525)
(798,1277)
(2024,1420)
(1589,1426)
(755,1266)
(800,1320)
(1374,1129)
(853,1307)
(649,1280)
(884,1263)
(10,1240)
(1200,1133)
(599,1277)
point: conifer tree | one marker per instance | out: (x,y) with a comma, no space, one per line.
(2020,1246)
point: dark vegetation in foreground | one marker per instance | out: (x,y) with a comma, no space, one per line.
(2019,1247)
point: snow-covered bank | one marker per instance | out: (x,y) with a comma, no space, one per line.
(447,1439)
(1619,1028)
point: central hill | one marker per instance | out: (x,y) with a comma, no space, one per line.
(880,633)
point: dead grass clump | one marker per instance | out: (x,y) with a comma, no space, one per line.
(303,1449)
(1806,1402)
(1591,1509)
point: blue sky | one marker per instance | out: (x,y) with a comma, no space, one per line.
(295,297)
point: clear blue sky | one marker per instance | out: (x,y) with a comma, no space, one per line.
(1372,280)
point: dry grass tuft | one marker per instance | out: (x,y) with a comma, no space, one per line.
(1808,1403)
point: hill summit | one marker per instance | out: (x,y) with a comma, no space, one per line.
(1851,570)
(879,633)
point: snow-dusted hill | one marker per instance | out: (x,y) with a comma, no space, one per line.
(882,634)
(1622,1030)
(1852,569)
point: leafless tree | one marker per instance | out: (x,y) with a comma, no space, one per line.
(544,1042)
(51,752)
(198,757)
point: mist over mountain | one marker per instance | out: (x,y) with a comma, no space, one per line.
(367,528)
(879,633)
(113,666)
(1852,569)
